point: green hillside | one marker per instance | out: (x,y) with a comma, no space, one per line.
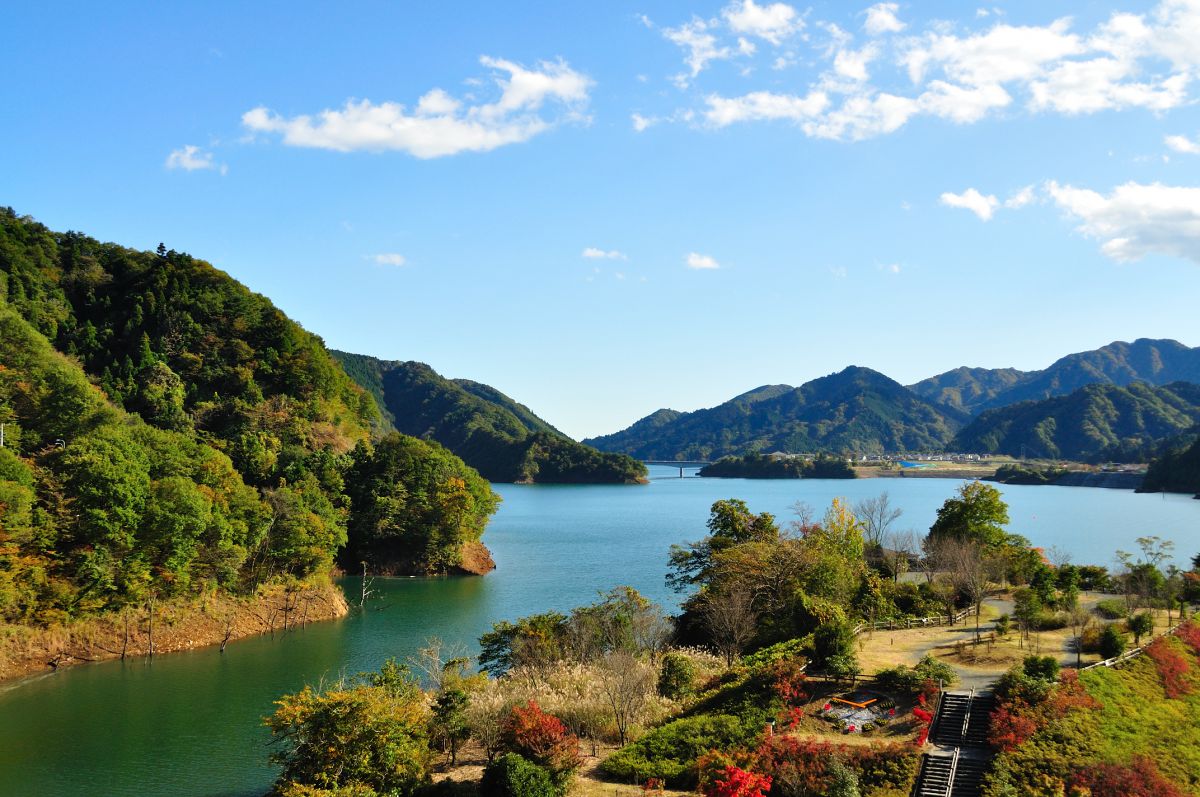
(1156,362)
(182,433)
(967,389)
(1176,470)
(1094,423)
(502,439)
(857,410)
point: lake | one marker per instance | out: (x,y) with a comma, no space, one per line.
(189,723)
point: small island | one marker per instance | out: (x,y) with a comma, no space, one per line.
(779,466)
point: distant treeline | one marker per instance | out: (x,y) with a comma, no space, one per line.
(765,466)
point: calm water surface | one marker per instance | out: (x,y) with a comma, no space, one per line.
(189,724)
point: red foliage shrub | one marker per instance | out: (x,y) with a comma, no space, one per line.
(1189,632)
(540,737)
(1011,724)
(1070,693)
(1171,667)
(789,682)
(1139,778)
(737,782)
(926,719)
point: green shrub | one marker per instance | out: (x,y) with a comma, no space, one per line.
(910,679)
(1002,625)
(670,751)
(1140,625)
(676,677)
(1112,609)
(1042,667)
(1052,621)
(511,775)
(792,649)
(1112,641)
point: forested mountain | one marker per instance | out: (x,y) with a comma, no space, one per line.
(502,439)
(182,392)
(857,410)
(1177,469)
(967,389)
(1156,362)
(1094,423)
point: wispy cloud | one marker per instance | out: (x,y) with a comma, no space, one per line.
(191,158)
(389,259)
(698,261)
(1183,144)
(595,253)
(440,124)
(1129,61)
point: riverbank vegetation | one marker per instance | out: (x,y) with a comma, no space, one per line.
(169,435)
(768,466)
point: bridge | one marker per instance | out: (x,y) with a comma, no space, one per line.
(677,463)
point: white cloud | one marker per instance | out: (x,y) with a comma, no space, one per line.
(982,205)
(881,19)
(699,261)
(773,22)
(699,42)
(641,123)
(1128,61)
(724,111)
(852,64)
(1021,198)
(1183,144)
(192,158)
(890,268)
(440,124)
(389,259)
(1135,219)
(595,253)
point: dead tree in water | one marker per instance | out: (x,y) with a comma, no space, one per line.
(367,583)
(150,625)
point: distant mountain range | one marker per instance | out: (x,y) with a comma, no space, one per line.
(501,438)
(856,410)
(1096,423)
(973,390)
(1121,401)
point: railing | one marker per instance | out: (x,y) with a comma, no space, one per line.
(1117,661)
(911,622)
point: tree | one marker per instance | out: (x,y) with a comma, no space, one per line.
(730,523)
(628,684)
(1112,642)
(970,567)
(977,513)
(542,738)
(514,776)
(450,719)
(877,516)
(899,547)
(730,617)
(1079,619)
(1140,625)
(370,732)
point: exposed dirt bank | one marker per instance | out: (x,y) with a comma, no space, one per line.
(172,626)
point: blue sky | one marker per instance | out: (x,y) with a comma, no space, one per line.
(606,208)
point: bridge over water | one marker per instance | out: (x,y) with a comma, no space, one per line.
(677,463)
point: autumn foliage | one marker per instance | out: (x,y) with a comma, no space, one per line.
(737,782)
(1172,668)
(541,738)
(1139,778)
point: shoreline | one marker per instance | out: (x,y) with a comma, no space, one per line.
(188,624)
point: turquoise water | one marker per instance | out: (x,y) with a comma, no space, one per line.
(189,723)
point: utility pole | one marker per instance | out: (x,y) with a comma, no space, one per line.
(1,435)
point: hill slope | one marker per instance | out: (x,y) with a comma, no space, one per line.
(502,439)
(1176,470)
(185,349)
(967,389)
(857,410)
(1156,362)
(1094,423)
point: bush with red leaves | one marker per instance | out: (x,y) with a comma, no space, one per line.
(1172,668)
(1139,778)
(1189,632)
(737,782)
(540,737)
(1010,725)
